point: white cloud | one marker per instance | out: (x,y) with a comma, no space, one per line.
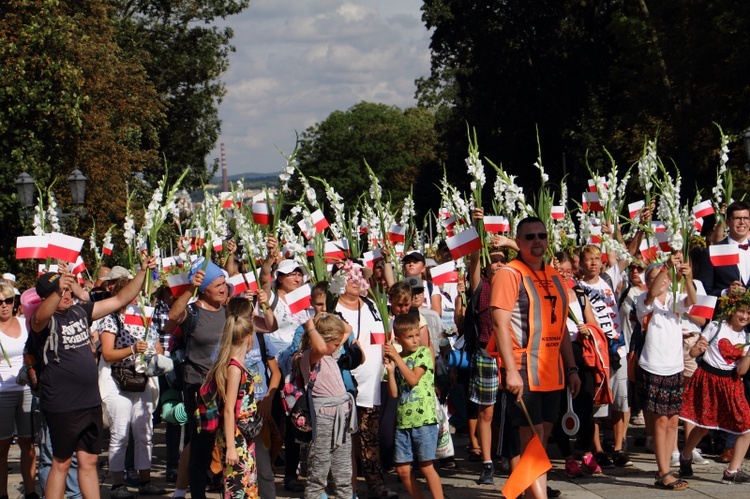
(297,61)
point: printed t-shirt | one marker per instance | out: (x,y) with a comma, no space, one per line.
(256,367)
(126,335)
(416,404)
(721,352)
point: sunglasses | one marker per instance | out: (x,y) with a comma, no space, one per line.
(542,236)
(8,301)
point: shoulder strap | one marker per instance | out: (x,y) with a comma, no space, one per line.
(191,323)
(624,295)
(430,287)
(373,309)
(274,300)
(608,280)
(262,348)
(718,330)
(581,297)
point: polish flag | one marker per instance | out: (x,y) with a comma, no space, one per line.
(310,250)
(663,239)
(464,243)
(107,249)
(43,268)
(397,234)
(197,239)
(595,236)
(167,263)
(557,212)
(218,245)
(299,299)
(79,266)
(377,334)
(261,215)
(592,184)
(178,283)
(372,257)
(450,221)
(703,209)
(584,202)
(242,284)
(444,273)
(648,248)
(319,220)
(658,226)
(594,203)
(62,247)
(308,231)
(496,224)
(134,315)
(635,208)
(698,224)
(31,247)
(399,250)
(724,254)
(704,306)
(336,250)
(226,200)
(363,228)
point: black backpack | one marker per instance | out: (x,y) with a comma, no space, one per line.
(469,330)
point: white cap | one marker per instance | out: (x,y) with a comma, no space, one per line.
(9,277)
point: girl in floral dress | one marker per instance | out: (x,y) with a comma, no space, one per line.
(714,395)
(235,388)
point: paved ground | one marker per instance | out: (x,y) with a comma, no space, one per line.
(459,483)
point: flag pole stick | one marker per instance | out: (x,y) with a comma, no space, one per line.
(528,418)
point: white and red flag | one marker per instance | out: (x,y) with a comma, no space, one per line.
(658,226)
(698,224)
(218,245)
(593,201)
(496,223)
(62,247)
(595,236)
(79,266)
(704,306)
(635,208)
(299,299)
(107,249)
(444,273)
(336,250)
(31,247)
(449,222)
(319,220)
(649,247)
(663,239)
(464,243)
(703,209)
(372,257)
(592,184)
(178,283)
(557,212)
(397,234)
(724,254)
(167,263)
(243,283)
(226,199)
(377,334)
(134,315)
(261,215)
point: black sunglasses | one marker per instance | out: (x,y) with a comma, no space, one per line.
(8,301)
(530,237)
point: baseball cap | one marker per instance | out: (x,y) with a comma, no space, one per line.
(413,255)
(287,267)
(47,284)
(116,273)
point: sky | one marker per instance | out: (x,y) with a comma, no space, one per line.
(297,61)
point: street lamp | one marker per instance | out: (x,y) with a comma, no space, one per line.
(747,150)
(25,187)
(77,182)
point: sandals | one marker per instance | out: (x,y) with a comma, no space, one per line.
(475,454)
(678,485)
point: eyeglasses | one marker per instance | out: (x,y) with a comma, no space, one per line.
(542,236)
(741,219)
(8,301)
(294,273)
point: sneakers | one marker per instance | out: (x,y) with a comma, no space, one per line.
(738,476)
(604,461)
(132,478)
(590,465)
(149,489)
(638,420)
(698,459)
(171,475)
(120,492)
(486,476)
(686,467)
(674,461)
(621,460)
(572,469)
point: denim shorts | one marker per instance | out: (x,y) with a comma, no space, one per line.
(15,414)
(419,443)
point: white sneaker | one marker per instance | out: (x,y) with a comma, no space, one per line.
(674,462)
(698,459)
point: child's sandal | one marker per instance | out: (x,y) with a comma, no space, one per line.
(678,485)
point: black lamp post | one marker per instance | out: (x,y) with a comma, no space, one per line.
(26,188)
(77,182)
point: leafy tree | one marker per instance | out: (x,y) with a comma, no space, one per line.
(398,144)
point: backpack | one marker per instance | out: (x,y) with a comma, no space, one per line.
(470,328)
(595,352)
(297,401)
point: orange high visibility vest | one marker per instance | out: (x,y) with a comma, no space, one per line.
(547,300)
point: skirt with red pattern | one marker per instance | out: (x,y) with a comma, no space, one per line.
(716,402)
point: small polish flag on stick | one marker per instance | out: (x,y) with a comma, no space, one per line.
(299,299)
(243,283)
(496,224)
(634,209)
(107,249)
(397,234)
(319,220)
(703,209)
(724,254)
(226,200)
(593,201)
(336,250)
(308,231)
(62,247)
(444,273)
(658,226)
(649,247)
(698,224)
(377,334)
(464,243)
(663,239)
(218,245)
(261,216)
(79,266)
(43,268)
(167,263)
(596,234)
(557,212)
(31,247)
(449,222)
(178,283)
(704,306)
(134,316)
(592,184)
(372,257)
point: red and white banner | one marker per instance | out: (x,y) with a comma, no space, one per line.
(372,257)
(704,307)
(242,284)
(724,254)
(703,209)
(557,212)
(261,215)
(444,273)
(494,223)
(107,249)
(62,247)
(79,267)
(337,250)
(31,247)
(299,299)
(377,334)
(592,184)
(178,283)
(319,220)
(649,247)
(634,209)
(397,234)
(134,315)
(663,239)
(464,243)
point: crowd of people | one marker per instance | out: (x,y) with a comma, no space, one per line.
(505,348)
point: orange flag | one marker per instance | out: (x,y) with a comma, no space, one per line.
(533,464)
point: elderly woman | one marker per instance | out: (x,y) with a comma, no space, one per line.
(15,400)
(129,412)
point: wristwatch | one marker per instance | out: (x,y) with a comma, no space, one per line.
(571,370)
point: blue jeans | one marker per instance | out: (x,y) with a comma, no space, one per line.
(44,464)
